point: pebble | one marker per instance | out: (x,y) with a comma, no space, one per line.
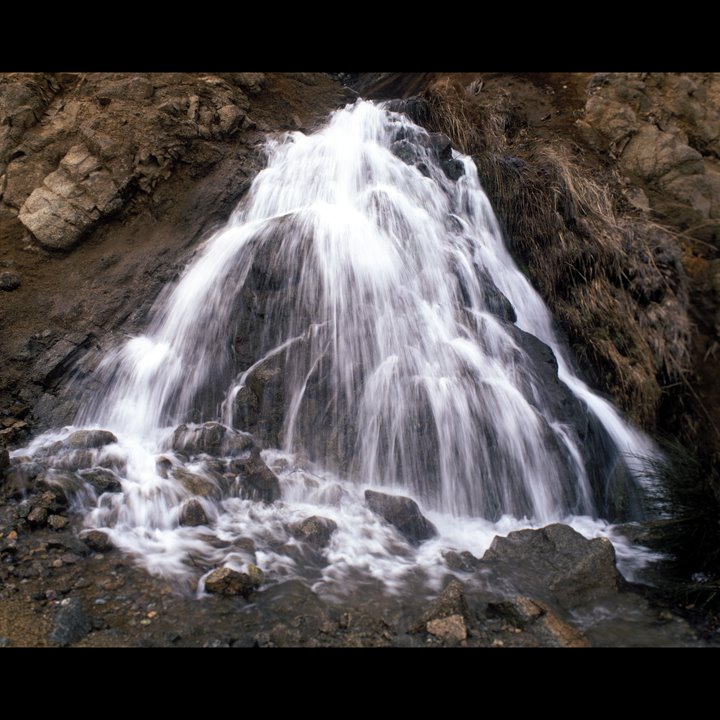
(152,614)
(100,601)
(145,621)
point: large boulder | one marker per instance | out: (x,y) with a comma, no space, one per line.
(87,439)
(554,563)
(403,513)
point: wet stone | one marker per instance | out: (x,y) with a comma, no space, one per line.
(57,522)
(9,281)
(102,479)
(38,516)
(72,623)
(315,530)
(225,581)
(403,513)
(461,562)
(86,439)
(98,541)
(448,628)
(193,514)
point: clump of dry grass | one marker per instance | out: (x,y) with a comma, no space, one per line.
(614,283)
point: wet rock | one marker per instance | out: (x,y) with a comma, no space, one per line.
(193,514)
(558,633)
(9,281)
(315,530)
(38,516)
(453,169)
(102,479)
(256,575)
(258,482)
(518,611)
(212,438)
(57,522)
(449,628)
(451,601)
(555,562)
(441,146)
(71,624)
(224,581)
(461,562)
(87,439)
(196,484)
(403,513)
(98,541)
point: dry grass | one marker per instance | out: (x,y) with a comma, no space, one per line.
(614,282)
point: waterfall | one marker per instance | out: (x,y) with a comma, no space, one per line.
(359,314)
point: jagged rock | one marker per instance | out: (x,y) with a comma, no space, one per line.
(72,623)
(86,439)
(252,82)
(555,562)
(451,601)
(224,581)
(462,562)
(448,628)
(102,479)
(230,117)
(403,513)
(315,531)
(212,438)
(98,541)
(193,514)
(9,281)
(70,200)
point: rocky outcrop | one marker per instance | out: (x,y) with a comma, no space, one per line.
(403,513)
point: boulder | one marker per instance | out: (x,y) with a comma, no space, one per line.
(556,563)
(461,562)
(212,438)
(9,281)
(315,531)
(403,513)
(72,623)
(98,541)
(87,439)
(102,479)
(70,200)
(193,514)
(225,581)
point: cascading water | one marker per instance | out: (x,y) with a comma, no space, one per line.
(360,314)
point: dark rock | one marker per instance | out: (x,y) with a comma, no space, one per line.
(258,482)
(224,581)
(9,281)
(86,439)
(518,611)
(102,479)
(72,623)
(453,169)
(315,530)
(212,438)
(4,462)
(193,514)
(403,513)
(556,563)
(98,541)
(441,145)
(451,601)
(461,562)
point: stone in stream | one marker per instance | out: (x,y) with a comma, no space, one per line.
(403,513)
(38,516)
(212,438)
(86,439)
(193,514)
(461,562)
(102,479)
(225,581)
(315,530)
(98,541)
(448,628)
(555,562)
(72,623)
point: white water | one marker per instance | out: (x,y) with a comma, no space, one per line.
(383,310)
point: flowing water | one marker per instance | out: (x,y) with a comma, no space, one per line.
(356,314)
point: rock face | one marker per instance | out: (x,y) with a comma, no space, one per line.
(403,513)
(557,563)
(107,183)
